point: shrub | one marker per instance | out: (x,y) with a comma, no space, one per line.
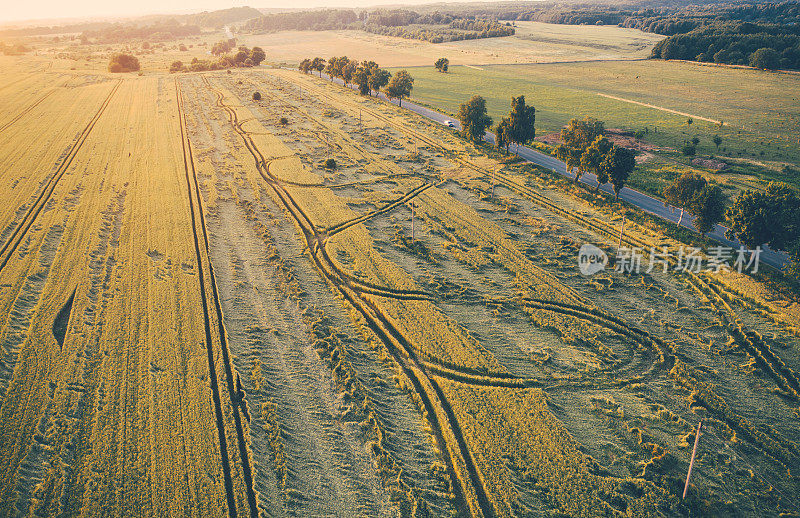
(123,63)
(256,96)
(284,121)
(177,66)
(330,163)
(688,149)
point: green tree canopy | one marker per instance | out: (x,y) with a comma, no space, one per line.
(771,217)
(618,163)
(572,157)
(502,134)
(682,191)
(474,119)
(522,119)
(592,159)
(708,205)
(400,85)
(765,58)
(442,64)
(581,133)
(378,78)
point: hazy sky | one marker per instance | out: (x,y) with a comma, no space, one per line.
(54,9)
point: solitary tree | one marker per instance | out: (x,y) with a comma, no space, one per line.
(619,162)
(717,140)
(522,119)
(442,64)
(683,190)
(473,117)
(400,86)
(305,66)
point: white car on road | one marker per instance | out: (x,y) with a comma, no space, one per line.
(449,124)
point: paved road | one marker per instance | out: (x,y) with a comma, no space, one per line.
(644,201)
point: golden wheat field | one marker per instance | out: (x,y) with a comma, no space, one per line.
(198,318)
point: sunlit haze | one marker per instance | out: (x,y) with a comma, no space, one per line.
(55,9)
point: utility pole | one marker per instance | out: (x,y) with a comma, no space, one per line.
(691,462)
(493,173)
(412,220)
(621,234)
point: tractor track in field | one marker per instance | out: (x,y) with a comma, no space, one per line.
(16,237)
(25,111)
(335,229)
(599,380)
(476,377)
(426,387)
(751,342)
(196,213)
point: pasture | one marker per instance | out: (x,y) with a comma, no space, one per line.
(759,111)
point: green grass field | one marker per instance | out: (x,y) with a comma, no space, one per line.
(760,110)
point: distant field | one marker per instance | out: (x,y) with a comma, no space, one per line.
(759,110)
(534,43)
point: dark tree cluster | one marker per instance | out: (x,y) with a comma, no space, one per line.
(122,33)
(519,127)
(761,46)
(229,56)
(435,27)
(123,63)
(223,17)
(321,20)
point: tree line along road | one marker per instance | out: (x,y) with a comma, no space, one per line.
(643,201)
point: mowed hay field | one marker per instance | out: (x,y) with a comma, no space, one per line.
(534,42)
(760,111)
(197,318)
